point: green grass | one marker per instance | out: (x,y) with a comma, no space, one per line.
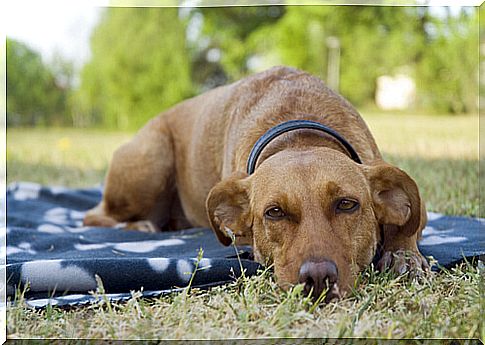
(440,152)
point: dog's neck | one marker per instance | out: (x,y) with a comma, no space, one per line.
(298,135)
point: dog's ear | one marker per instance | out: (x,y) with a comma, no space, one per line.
(228,210)
(396,198)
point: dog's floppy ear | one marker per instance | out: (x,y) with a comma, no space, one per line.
(228,210)
(396,198)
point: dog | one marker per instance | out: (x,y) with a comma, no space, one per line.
(316,198)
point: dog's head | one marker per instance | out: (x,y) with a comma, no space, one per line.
(315,214)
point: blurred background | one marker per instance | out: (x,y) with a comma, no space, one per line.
(80,81)
(137,62)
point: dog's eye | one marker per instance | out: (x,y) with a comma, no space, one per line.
(347,205)
(274,213)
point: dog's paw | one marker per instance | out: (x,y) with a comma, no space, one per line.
(402,262)
(142,225)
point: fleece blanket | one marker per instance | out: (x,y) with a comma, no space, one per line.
(62,262)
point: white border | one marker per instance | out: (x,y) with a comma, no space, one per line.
(5,5)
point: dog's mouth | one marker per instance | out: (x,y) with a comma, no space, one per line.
(333,293)
(330,292)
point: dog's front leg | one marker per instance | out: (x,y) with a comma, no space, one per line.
(140,184)
(400,253)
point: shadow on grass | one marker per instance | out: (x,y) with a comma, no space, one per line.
(447,185)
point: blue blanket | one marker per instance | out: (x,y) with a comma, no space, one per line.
(48,248)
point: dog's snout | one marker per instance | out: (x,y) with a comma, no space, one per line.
(319,276)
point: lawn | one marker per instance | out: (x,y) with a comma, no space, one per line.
(440,152)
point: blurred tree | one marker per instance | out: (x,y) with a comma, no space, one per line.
(139,67)
(373,41)
(222,48)
(33,95)
(447,74)
(146,59)
(438,52)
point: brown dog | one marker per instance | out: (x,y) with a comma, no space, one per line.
(310,209)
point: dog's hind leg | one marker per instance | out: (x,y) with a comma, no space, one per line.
(140,183)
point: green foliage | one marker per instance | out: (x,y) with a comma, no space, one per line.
(33,95)
(139,67)
(144,60)
(229,28)
(439,51)
(447,75)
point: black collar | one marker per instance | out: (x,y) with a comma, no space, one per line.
(287,126)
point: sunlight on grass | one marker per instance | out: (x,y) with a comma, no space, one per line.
(80,148)
(439,137)
(71,157)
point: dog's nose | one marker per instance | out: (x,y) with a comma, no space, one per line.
(319,276)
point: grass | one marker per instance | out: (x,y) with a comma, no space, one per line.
(69,157)
(441,153)
(439,306)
